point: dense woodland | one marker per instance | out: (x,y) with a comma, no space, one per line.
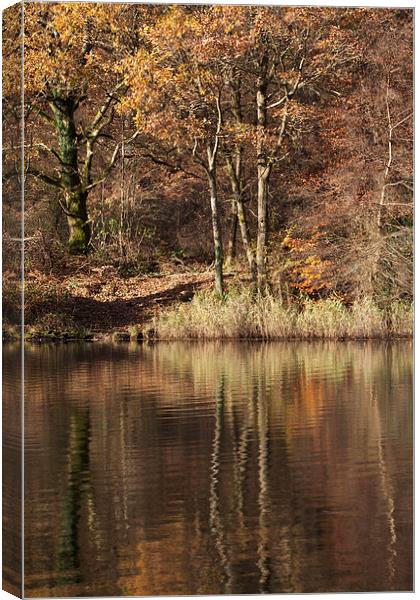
(270,144)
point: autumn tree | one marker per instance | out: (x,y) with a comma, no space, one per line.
(12,205)
(360,194)
(386,125)
(288,59)
(72,87)
(177,91)
(293,124)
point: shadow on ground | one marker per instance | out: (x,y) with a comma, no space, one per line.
(117,313)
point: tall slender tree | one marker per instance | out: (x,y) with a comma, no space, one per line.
(177,91)
(288,59)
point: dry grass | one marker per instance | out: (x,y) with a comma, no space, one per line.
(242,315)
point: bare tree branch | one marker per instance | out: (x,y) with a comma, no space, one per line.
(111,162)
(48,149)
(54,181)
(99,121)
(195,154)
(402,182)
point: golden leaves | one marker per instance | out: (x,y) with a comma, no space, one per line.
(173,83)
(308,272)
(12,56)
(68,45)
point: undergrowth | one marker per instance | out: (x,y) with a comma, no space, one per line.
(241,314)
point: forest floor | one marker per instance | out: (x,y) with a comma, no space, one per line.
(97,301)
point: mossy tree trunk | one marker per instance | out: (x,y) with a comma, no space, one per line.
(74,189)
(75,180)
(78,222)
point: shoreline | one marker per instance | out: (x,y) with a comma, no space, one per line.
(98,307)
(123,337)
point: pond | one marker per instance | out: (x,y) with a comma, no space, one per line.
(212,468)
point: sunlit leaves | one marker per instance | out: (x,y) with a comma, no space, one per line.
(307,271)
(71,46)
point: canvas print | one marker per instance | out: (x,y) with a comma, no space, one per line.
(207,299)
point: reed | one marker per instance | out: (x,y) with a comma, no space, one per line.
(242,314)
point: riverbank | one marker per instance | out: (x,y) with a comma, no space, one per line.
(95,303)
(100,305)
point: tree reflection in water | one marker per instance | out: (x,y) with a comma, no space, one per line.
(218,468)
(68,558)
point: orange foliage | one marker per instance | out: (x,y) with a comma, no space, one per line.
(309,273)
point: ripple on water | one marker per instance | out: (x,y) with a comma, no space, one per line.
(217,468)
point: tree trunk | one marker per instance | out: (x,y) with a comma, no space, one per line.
(234,175)
(217,238)
(235,172)
(77,219)
(74,193)
(231,252)
(245,240)
(263,171)
(377,235)
(262,234)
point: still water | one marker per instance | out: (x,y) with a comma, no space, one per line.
(187,468)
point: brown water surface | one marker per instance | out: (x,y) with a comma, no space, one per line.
(187,468)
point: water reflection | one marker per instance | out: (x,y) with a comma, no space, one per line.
(68,559)
(218,468)
(12,473)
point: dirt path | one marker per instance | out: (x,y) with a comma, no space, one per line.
(103,302)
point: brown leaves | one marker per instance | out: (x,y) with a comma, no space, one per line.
(68,46)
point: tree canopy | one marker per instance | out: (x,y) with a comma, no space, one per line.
(159,124)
